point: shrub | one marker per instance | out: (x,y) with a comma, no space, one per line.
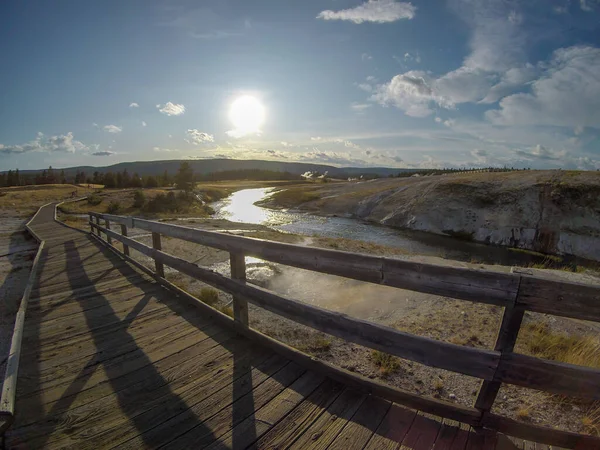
(139,199)
(387,363)
(113,207)
(94,199)
(209,296)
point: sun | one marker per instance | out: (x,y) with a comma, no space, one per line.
(247,114)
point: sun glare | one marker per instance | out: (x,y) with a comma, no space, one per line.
(247,114)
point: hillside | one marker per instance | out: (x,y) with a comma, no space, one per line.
(205,166)
(546,211)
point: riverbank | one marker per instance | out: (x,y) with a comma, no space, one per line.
(552,212)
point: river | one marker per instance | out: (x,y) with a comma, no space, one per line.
(241,207)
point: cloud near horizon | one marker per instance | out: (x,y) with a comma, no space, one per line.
(61,143)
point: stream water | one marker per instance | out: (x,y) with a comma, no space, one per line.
(241,207)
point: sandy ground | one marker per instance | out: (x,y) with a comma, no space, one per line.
(17,250)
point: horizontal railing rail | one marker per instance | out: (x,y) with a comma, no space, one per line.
(517,293)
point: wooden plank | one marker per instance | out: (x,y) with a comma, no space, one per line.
(161,429)
(461,438)
(324,430)
(392,429)
(131,368)
(537,433)
(124,233)
(237,263)
(302,417)
(155,399)
(359,430)
(422,434)
(241,413)
(550,376)
(560,298)
(467,284)
(264,418)
(203,400)
(447,435)
(156,244)
(469,361)
(107,225)
(505,343)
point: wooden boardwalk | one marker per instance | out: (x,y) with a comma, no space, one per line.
(111,359)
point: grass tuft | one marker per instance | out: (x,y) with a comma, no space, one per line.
(209,296)
(315,344)
(387,363)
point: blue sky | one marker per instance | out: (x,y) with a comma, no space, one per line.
(343,82)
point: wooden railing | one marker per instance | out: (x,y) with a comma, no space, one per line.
(515,292)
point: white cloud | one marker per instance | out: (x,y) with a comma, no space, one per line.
(438,120)
(497,43)
(567,94)
(365,57)
(171,109)
(463,85)
(360,107)
(286,144)
(103,153)
(60,143)
(112,129)
(199,137)
(134,105)
(378,11)
(144,123)
(315,138)
(511,80)
(588,5)
(412,92)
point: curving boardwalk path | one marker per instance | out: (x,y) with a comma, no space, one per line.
(111,359)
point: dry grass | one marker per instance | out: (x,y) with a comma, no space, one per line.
(387,363)
(523,413)
(209,296)
(25,200)
(315,344)
(541,341)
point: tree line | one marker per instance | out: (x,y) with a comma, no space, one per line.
(124,179)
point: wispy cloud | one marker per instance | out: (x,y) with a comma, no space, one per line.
(112,129)
(103,153)
(366,57)
(567,94)
(360,107)
(144,123)
(378,11)
(134,105)
(42,143)
(199,137)
(165,150)
(171,109)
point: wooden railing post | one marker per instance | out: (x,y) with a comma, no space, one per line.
(91,223)
(505,344)
(98,229)
(124,233)
(156,244)
(108,238)
(237,262)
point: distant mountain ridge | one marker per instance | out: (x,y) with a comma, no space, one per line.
(204,166)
